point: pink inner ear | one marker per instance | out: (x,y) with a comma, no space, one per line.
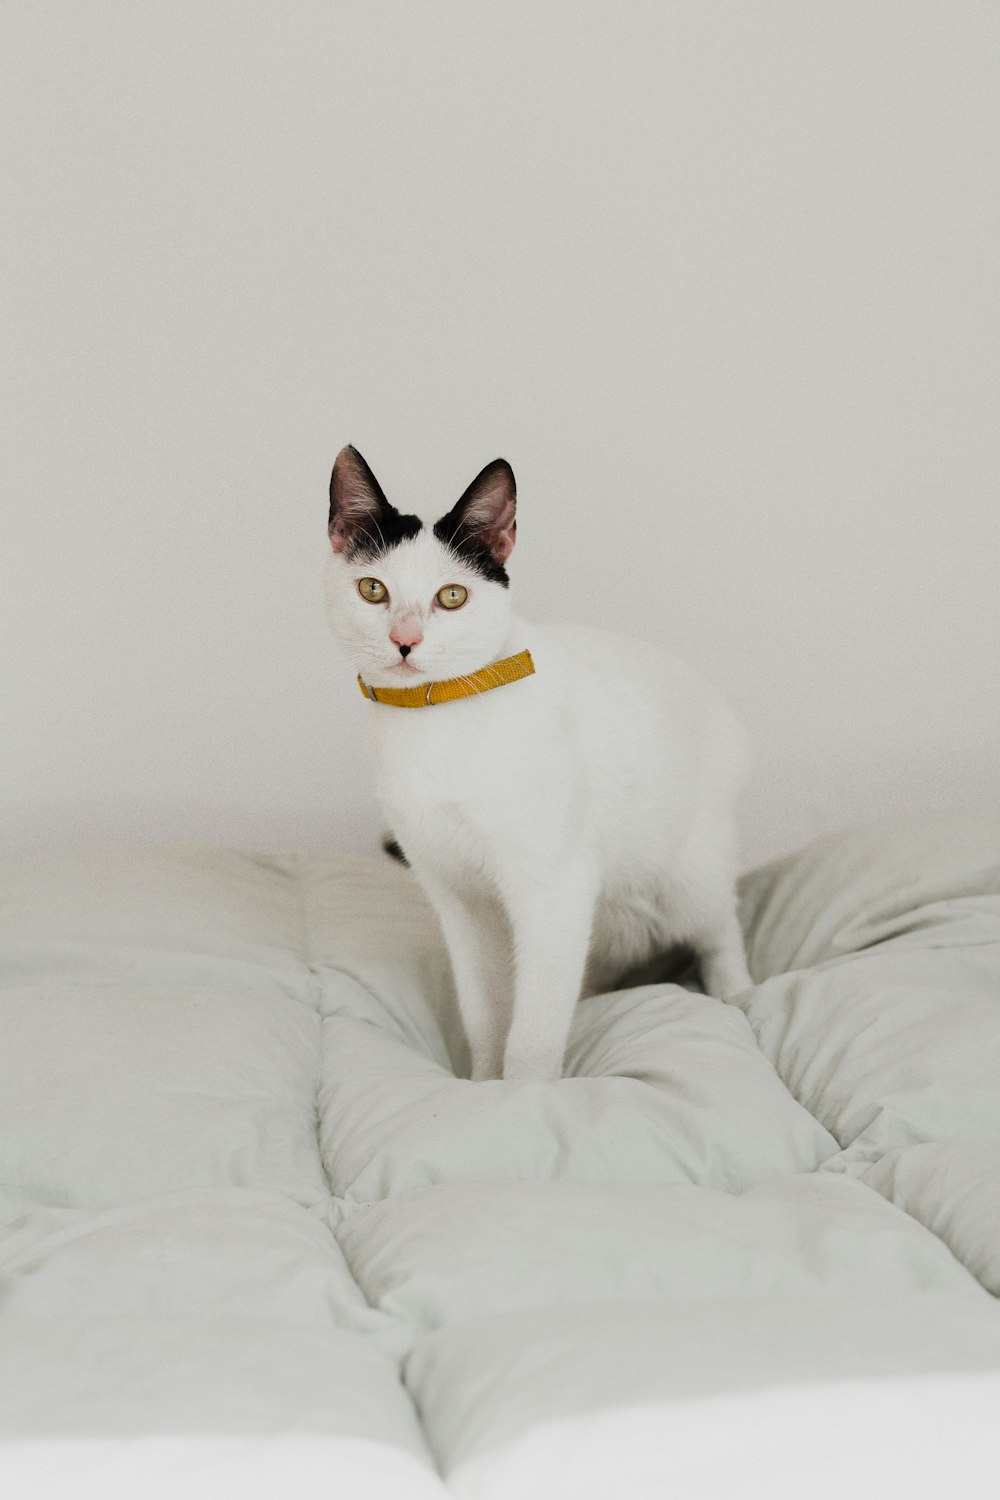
(339,535)
(502,543)
(499,527)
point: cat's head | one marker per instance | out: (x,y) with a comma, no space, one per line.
(411,603)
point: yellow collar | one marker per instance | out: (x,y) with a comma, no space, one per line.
(429,693)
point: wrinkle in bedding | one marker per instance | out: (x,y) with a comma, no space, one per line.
(257,1230)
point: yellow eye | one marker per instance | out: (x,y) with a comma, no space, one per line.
(372,590)
(452,596)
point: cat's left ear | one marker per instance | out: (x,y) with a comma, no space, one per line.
(357,505)
(486,515)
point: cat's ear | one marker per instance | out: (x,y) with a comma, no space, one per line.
(486,516)
(357,504)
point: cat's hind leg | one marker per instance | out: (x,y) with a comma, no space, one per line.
(703,903)
(722,959)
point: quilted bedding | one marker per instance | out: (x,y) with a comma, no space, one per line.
(257,1238)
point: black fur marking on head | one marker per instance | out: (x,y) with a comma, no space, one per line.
(472,545)
(374,528)
(393,528)
(474,554)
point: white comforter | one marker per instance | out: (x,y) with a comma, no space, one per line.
(257,1238)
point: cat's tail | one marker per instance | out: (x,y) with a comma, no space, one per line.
(393,849)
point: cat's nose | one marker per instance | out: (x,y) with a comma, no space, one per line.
(405,639)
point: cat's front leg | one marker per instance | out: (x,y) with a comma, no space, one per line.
(480,963)
(551,914)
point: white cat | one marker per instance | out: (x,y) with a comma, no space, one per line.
(567,825)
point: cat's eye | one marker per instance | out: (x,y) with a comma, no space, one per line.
(372,590)
(452,596)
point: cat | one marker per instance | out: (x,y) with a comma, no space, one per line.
(567,825)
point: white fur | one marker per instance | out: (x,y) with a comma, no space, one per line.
(567,828)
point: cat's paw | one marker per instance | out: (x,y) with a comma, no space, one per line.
(528,1065)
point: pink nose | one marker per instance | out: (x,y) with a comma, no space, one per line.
(405,639)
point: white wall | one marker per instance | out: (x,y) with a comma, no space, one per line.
(719,279)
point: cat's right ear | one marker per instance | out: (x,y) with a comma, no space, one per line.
(484,521)
(357,503)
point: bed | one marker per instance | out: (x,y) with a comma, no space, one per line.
(259,1237)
